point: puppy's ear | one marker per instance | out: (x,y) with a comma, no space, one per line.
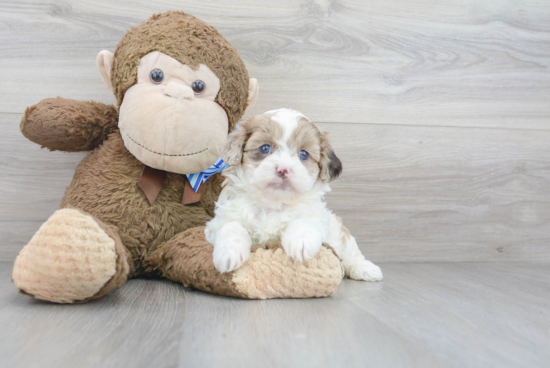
(232,151)
(330,165)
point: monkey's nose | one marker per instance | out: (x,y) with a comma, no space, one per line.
(179,91)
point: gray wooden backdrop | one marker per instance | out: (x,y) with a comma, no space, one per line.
(439,110)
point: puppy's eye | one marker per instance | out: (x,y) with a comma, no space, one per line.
(157,76)
(265,149)
(197,86)
(303,155)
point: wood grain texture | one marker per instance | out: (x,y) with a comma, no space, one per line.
(440,111)
(444,194)
(406,193)
(441,63)
(421,315)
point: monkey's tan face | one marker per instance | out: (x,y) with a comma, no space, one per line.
(169,120)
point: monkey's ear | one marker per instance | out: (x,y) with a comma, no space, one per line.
(104,62)
(253,90)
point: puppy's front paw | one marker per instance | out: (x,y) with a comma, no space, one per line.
(366,271)
(231,252)
(301,244)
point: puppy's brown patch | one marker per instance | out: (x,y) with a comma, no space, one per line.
(306,136)
(330,164)
(232,152)
(243,145)
(265,131)
(345,230)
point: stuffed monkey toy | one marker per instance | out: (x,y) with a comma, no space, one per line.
(139,200)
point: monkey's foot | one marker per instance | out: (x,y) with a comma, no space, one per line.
(72,258)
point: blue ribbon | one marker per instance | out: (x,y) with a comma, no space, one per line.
(198,178)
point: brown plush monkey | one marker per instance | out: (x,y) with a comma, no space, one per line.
(131,209)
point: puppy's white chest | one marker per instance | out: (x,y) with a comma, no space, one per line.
(266,224)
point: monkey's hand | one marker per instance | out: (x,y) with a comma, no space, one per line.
(69,125)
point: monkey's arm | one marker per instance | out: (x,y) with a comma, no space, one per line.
(69,125)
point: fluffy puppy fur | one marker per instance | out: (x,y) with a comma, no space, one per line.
(280,166)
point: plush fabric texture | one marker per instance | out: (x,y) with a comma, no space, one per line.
(70,258)
(168,146)
(192,42)
(123,262)
(105,186)
(269,272)
(107,230)
(166,125)
(187,258)
(68,125)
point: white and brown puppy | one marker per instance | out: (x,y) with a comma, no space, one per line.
(280,166)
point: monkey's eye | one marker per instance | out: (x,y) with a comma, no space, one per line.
(157,76)
(198,86)
(303,155)
(265,149)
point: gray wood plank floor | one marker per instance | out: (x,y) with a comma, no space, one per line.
(440,113)
(421,315)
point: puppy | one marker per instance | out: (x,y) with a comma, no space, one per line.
(280,166)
